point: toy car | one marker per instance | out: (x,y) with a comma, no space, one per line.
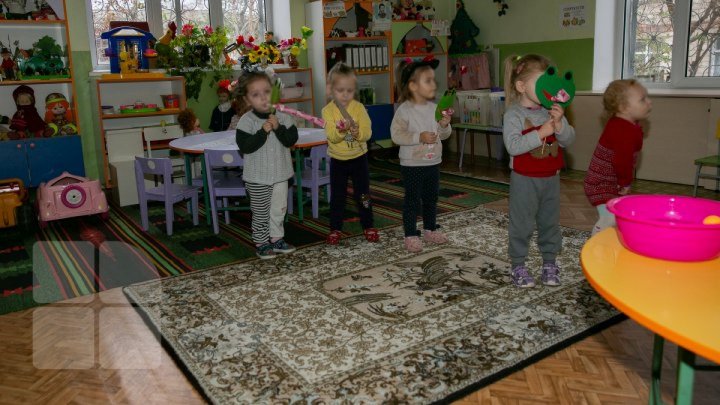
(70,196)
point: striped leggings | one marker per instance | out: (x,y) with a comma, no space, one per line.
(268,204)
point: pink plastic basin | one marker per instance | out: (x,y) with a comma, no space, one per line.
(667,227)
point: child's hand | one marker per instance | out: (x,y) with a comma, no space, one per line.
(556,114)
(547,129)
(355,130)
(428,137)
(274,121)
(445,121)
(267,126)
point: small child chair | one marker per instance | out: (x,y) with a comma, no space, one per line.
(710,161)
(223,183)
(167,192)
(316,173)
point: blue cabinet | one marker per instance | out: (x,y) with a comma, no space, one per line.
(37,160)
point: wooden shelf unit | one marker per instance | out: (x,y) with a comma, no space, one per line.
(117,92)
(36,160)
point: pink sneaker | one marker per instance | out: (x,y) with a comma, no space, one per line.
(413,244)
(434,237)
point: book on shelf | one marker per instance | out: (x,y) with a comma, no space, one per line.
(364,58)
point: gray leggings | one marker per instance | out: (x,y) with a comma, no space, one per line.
(534,201)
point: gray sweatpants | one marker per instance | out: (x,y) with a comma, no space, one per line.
(534,200)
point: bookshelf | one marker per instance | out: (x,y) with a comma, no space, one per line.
(38,158)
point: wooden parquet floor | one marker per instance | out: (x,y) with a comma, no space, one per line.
(39,364)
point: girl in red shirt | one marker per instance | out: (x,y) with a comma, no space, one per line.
(613,163)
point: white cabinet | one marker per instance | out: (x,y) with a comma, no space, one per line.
(125,127)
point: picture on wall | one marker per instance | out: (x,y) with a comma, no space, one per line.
(382,15)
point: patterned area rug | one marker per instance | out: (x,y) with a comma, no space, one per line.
(58,262)
(371,323)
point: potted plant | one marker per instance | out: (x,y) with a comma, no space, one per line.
(193,53)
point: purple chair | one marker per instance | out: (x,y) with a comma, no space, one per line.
(223,183)
(167,191)
(316,173)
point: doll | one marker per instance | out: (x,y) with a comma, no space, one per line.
(26,122)
(8,64)
(224,112)
(58,115)
(189,123)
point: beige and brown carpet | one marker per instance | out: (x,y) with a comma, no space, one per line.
(371,323)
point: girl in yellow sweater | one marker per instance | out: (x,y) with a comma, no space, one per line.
(348,130)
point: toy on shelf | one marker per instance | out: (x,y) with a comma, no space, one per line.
(138,108)
(58,115)
(43,61)
(9,67)
(26,122)
(126,49)
(12,195)
(69,196)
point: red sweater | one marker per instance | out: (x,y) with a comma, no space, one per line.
(613,162)
(532,166)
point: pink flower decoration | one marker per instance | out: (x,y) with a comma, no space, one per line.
(187,29)
(208,30)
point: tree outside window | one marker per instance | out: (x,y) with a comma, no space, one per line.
(240,17)
(653,28)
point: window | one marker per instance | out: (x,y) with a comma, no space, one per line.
(715,59)
(672,42)
(241,17)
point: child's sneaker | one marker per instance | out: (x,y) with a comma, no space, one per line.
(550,274)
(265,251)
(436,237)
(371,235)
(280,246)
(521,277)
(333,238)
(413,244)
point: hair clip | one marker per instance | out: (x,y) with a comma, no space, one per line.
(408,59)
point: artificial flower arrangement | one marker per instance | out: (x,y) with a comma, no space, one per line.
(268,52)
(193,51)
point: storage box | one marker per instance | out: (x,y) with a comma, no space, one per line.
(122,175)
(480,107)
(123,144)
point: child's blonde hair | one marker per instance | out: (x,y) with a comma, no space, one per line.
(187,119)
(340,69)
(519,68)
(240,89)
(615,96)
(408,71)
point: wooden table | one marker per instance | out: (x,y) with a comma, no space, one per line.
(225,140)
(678,301)
(487,130)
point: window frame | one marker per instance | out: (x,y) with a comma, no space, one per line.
(153,15)
(678,68)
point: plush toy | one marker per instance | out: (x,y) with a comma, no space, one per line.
(58,115)
(552,88)
(26,122)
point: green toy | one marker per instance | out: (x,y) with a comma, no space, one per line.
(551,88)
(275,95)
(445,104)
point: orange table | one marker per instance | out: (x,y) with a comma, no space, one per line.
(677,301)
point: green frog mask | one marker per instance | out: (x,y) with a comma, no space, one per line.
(552,88)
